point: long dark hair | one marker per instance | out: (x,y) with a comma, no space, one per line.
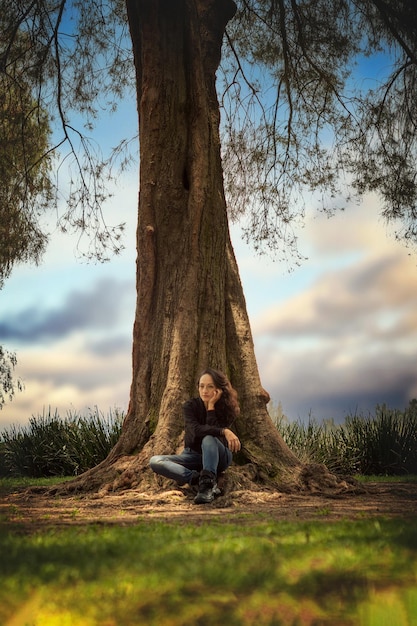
(229,401)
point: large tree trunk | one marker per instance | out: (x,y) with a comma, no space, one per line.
(191,311)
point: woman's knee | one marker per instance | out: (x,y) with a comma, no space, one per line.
(156,460)
(209,441)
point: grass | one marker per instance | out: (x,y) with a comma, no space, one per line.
(225,570)
(7,485)
(222,571)
(409,478)
(361,573)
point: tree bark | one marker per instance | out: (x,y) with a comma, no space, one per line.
(191,311)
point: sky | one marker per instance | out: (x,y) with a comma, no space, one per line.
(334,336)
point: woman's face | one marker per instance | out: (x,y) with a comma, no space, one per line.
(206,387)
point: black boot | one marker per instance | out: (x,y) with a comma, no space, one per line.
(194,483)
(207,488)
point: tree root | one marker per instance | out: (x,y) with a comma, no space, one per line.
(132,473)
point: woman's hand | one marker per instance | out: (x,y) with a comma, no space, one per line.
(216,395)
(233,441)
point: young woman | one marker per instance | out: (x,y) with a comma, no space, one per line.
(209,442)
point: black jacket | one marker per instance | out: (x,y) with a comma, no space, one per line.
(199,422)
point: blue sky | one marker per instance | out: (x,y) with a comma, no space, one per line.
(336,335)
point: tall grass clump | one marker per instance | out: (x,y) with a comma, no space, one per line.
(318,442)
(381,444)
(51,446)
(385,443)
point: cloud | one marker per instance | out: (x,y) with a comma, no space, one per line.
(374,297)
(98,308)
(111,345)
(360,227)
(70,376)
(347,341)
(332,383)
(70,324)
(73,356)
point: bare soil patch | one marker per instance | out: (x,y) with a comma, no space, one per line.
(29,510)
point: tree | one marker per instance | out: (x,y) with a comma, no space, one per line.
(26,189)
(190,305)
(26,160)
(21,237)
(192,308)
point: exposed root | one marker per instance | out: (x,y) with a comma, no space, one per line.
(21,511)
(131,473)
(314,478)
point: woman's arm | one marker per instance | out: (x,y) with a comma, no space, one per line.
(195,416)
(233,441)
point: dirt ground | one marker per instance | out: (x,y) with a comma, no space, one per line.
(26,511)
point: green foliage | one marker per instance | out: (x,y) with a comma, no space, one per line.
(293,120)
(51,446)
(61,60)
(7,385)
(236,572)
(299,116)
(380,444)
(25,186)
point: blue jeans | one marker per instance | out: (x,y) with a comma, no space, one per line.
(185,467)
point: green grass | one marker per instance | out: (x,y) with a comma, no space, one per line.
(8,485)
(408,478)
(244,572)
